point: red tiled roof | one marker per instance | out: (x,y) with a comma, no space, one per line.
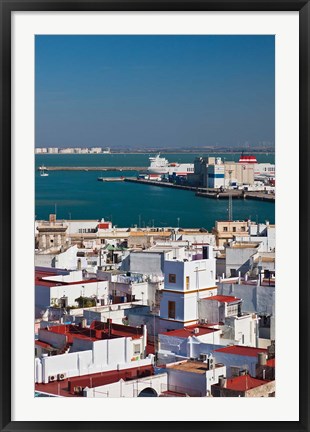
(52,283)
(244,382)
(45,273)
(66,387)
(242,350)
(223,298)
(189,331)
(97,331)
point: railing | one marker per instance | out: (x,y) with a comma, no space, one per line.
(185,391)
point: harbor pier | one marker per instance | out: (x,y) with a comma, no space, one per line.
(91,168)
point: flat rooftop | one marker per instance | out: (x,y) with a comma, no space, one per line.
(149,233)
(191,366)
(244,245)
(197,367)
(51,283)
(97,331)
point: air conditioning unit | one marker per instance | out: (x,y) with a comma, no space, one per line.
(211,363)
(61,376)
(196,330)
(52,378)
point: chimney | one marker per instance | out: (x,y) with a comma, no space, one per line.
(222,381)
(109,321)
(83,323)
(262,359)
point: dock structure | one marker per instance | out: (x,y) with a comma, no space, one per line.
(238,194)
(210,193)
(111,179)
(91,168)
(160,183)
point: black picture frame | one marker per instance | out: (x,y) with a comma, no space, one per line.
(7,7)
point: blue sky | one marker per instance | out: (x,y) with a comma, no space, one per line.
(154,91)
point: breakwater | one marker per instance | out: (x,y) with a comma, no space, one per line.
(160,183)
(91,168)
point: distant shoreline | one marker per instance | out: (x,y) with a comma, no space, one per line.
(161,151)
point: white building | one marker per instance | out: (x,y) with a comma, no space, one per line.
(216,174)
(263,233)
(186,282)
(40,150)
(63,290)
(255,298)
(215,309)
(189,342)
(194,378)
(242,330)
(238,257)
(102,347)
(148,386)
(52,150)
(62,259)
(96,150)
(239,358)
(66,150)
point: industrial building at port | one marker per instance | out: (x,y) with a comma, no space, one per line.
(169,312)
(214,173)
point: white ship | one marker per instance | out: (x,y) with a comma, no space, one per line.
(160,165)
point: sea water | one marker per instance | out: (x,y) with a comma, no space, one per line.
(79,195)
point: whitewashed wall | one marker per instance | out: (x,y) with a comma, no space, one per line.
(128,388)
(106,355)
(255,298)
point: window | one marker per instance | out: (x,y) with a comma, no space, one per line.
(171,309)
(136,348)
(172,278)
(234,229)
(225,229)
(243,228)
(232,310)
(187,282)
